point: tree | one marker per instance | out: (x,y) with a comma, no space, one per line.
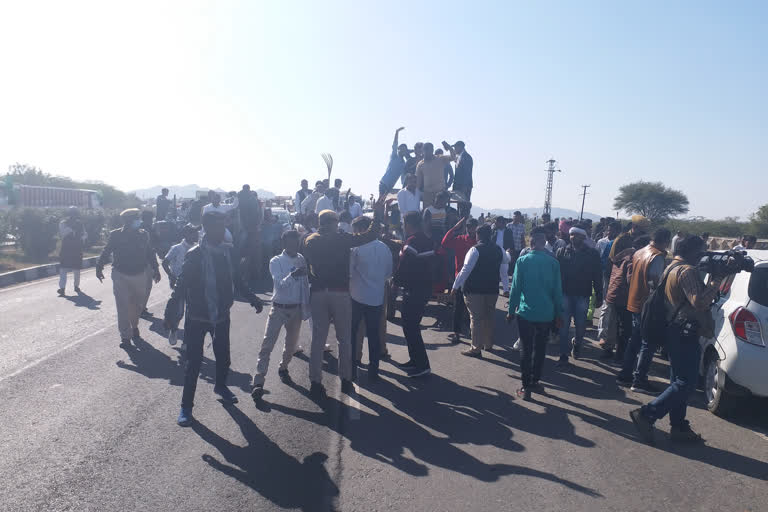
(760,221)
(652,200)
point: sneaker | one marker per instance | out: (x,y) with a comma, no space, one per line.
(473,353)
(60,291)
(299,350)
(516,346)
(185,418)
(316,391)
(643,424)
(285,377)
(646,387)
(419,372)
(576,350)
(373,374)
(172,338)
(225,394)
(408,365)
(145,314)
(524,393)
(562,362)
(327,348)
(257,392)
(125,343)
(136,334)
(623,381)
(684,435)
(78,290)
(347,387)
(454,337)
(536,386)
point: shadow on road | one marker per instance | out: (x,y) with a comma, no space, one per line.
(264,467)
(83,300)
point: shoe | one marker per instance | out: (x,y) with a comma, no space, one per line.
(419,372)
(125,343)
(384,355)
(225,394)
(347,387)
(576,350)
(145,313)
(185,418)
(454,337)
(78,290)
(516,346)
(60,291)
(408,365)
(285,377)
(473,353)
(646,387)
(623,381)
(684,435)
(327,348)
(562,362)
(607,354)
(373,374)
(316,391)
(643,424)
(257,392)
(524,393)
(537,387)
(299,350)
(136,334)
(172,338)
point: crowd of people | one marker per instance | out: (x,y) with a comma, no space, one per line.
(337,265)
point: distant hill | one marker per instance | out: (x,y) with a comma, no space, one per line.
(187,191)
(533,212)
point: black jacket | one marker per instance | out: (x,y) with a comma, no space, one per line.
(462,176)
(190,287)
(581,272)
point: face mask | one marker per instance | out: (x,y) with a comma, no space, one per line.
(136,224)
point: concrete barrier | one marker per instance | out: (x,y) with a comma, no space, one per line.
(38,272)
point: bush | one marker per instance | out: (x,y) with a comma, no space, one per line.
(36,231)
(5,226)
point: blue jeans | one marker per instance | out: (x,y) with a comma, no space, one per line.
(684,356)
(638,355)
(576,308)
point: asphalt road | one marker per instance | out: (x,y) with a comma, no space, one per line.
(87,426)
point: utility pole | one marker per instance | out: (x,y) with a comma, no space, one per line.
(551,170)
(583,198)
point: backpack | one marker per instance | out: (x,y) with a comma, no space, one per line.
(653,316)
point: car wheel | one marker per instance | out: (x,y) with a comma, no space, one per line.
(718,401)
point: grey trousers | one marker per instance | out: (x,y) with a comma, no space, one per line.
(130,294)
(326,305)
(278,317)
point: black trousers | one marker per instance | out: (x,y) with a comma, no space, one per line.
(624,330)
(533,341)
(372,316)
(194,336)
(414,304)
(460,313)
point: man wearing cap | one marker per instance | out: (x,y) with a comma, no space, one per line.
(460,244)
(581,274)
(134,262)
(430,173)
(209,278)
(623,242)
(484,265)
(172,264)
(73,237)
(327,253)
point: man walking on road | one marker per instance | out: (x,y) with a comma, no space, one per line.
(290,301)
(460,244)
(73,237)
(414,276)
(370,266)
(647,267)
(536,299)
(581,273)
(327,253)
(173,263)
(134,263)
(208,282)
(484,265)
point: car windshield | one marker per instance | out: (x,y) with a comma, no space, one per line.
(758,286)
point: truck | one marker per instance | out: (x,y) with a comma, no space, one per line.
(31,196)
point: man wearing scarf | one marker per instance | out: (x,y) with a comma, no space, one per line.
(208,282)
(581,272)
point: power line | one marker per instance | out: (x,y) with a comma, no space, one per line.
(583,199)
(551,170)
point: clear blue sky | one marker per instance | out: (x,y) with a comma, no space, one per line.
(225,93)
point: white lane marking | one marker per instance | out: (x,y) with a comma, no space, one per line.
(65,347)
(38,281)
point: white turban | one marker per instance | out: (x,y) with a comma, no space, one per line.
(577,231)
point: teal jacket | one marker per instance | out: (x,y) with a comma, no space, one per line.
(537,288)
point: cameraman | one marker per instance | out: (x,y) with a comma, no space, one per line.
(687,303)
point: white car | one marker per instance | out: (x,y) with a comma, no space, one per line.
(735,363)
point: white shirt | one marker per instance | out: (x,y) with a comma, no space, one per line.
(309,202)
(370,266)
(470,260)
(408,201)
(355,210)
(175,256)
(500,238)
(222,208)
(288,289)
(324,203)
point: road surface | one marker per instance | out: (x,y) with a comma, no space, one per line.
(87,426)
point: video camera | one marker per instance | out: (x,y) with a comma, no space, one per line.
(721,264)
